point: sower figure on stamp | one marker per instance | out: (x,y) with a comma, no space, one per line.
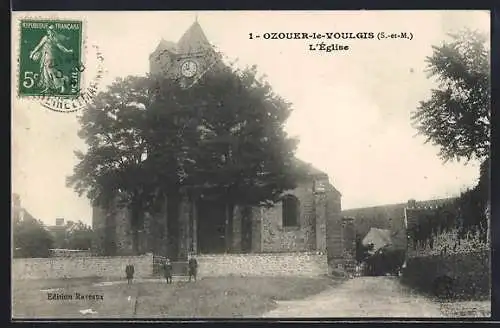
(192,267)
(167,271)
(46,52)
(129,271)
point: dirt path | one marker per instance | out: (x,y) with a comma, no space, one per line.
(361,297)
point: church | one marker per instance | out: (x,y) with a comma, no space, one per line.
(306,219)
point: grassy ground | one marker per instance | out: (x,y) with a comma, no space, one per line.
(467,309)
(224,297)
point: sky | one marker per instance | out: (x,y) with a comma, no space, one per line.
(351,109)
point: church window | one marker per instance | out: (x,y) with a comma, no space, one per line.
(290,211)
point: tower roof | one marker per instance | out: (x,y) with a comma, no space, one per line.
(193,40)
(166,45)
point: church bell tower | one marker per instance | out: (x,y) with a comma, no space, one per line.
(187,60)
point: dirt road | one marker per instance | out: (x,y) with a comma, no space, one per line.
(361,297)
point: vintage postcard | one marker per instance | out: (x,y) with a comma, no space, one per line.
(251,164)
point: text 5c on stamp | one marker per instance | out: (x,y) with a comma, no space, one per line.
(50,58)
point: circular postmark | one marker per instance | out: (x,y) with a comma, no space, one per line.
(84,96)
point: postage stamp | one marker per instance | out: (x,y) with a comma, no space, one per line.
(50,58)
(88,91)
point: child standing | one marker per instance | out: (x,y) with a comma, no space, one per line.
(167,270)
(192,267)
(129,272)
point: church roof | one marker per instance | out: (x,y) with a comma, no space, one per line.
(166,45)
(311,170)
(193,40)
(315,173)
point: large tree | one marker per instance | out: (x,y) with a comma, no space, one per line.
(456,117)
(111,170)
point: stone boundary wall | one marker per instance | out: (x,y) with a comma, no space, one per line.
(263,264)
(78,267)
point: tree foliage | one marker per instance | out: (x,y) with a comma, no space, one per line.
(111,128)
(457,119)
(74,235)
(457,116)
(238,150)
(112,169)
(31,239)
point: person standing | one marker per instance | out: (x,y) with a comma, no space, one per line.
(192,267)
(129,272)
(167,270)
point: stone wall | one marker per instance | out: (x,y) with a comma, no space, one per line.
(56,268)
(340,237)
(264,264)
(277,238)
(99,228)
(123,241)
(333,227)
(257,229)
(112,231)
(321,217)
(349,244)
(270,264)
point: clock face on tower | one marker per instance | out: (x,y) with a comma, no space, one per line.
(189,68)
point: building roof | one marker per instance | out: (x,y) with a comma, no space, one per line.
(166,45)
(311,170)
(315,173)
(193,40)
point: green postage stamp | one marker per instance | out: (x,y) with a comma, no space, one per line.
(50,58)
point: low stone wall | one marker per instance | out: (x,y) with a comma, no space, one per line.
(77,267)
(264,264)
(470,273)
(267,264)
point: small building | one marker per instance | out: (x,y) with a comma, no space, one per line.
(379,238)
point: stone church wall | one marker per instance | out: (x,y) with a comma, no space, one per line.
(315,230)
(277,238)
